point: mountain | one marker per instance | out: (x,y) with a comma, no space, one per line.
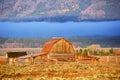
(59,10)
(112,42)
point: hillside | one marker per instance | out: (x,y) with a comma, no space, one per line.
(39,42)
(59,10)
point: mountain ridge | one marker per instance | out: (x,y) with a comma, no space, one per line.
(59,10)
(78,41)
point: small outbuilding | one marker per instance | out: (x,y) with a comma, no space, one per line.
(13,56)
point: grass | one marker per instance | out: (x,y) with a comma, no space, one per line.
(71,71)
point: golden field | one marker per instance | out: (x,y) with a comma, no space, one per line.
(68,71)
(82,70)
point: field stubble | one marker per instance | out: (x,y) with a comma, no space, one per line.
(71,71)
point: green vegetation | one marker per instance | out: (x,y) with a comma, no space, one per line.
(85,52)
(96,52)
(80,51)
(77,51)
(111,51)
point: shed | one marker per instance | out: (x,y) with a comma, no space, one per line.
(13,56)
(29,59)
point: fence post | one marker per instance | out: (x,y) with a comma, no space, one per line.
(108,59)
(116,59)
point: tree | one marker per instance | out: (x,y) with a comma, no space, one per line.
(95,52)
(85,52)
(102,52)
(111,51)
(80,51)
(77,51)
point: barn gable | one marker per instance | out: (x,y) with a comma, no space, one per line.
(62,46)
(58,45)
(48,45)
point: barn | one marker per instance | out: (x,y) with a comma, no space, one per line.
(59,49)
(13,56)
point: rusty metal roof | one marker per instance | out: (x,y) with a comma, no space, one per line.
(48,46)
(15,54)
(34,55)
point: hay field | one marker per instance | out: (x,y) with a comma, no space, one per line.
(71,71)
(68,71)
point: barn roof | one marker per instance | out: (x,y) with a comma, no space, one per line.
(48,46)
(34,55)
(26,56)
(15,54)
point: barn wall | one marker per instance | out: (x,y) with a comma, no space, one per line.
(62,46)
(40,58)
(29,60)
(13,61)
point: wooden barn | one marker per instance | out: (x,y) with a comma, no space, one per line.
(55,50)
(13,57)
(58,49)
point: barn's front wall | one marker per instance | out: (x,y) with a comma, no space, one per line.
(62,46)
(41,58)
(62,51)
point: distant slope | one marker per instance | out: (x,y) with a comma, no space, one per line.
(59,10)
(37,43)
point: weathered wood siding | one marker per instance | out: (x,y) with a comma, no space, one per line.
(13,61)
(62,51)
(62,46)
(41,58)
(29,60)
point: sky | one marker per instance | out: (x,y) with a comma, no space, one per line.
(43,19)
(52,29)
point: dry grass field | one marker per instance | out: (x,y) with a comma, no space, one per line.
(70,71)
(82,70)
